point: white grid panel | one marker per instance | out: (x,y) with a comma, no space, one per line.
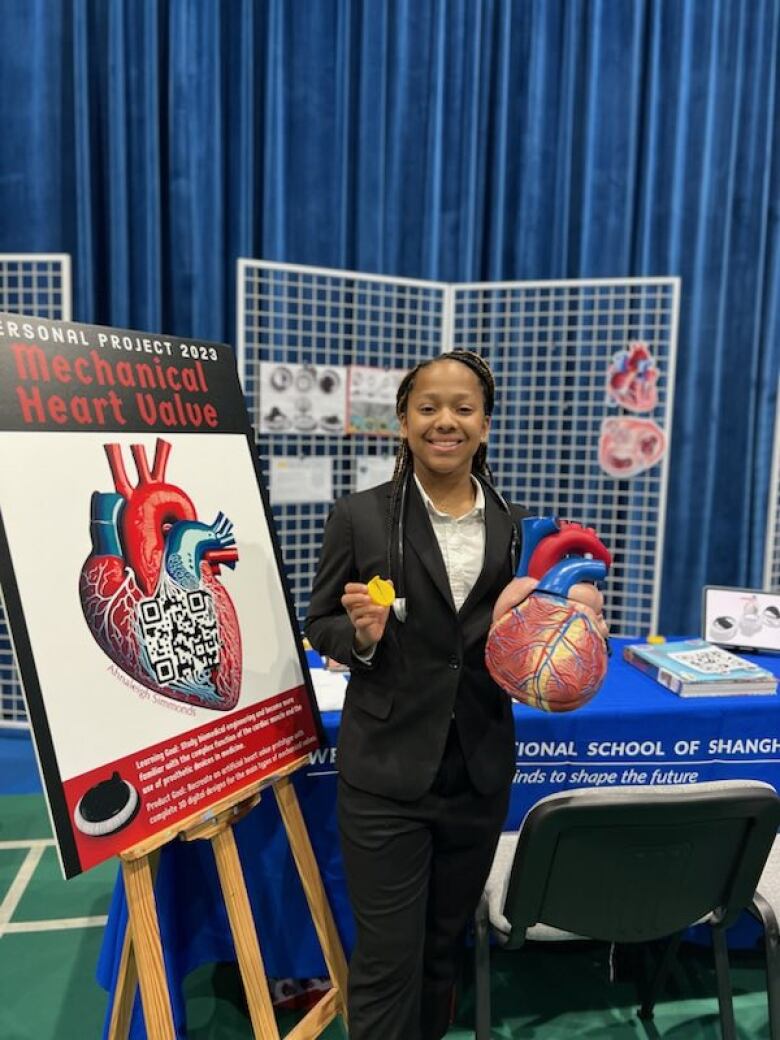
(317,316)
(772,542)
(550,345)
(37,284)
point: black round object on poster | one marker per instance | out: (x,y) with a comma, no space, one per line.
(723,627)
(107,807)
(329,381)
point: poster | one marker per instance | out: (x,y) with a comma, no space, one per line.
(302,398)
(372,393)
(155,637)
(371,470)
(294,481)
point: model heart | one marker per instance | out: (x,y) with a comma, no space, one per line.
(547,651)
(150,588)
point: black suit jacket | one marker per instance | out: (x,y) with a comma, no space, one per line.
(398,709)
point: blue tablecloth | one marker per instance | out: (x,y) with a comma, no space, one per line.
(633,732)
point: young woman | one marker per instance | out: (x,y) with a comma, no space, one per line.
(426,743)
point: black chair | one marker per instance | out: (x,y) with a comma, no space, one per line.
(629,865)
(766,907)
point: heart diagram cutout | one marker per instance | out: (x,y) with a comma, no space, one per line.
(150,589)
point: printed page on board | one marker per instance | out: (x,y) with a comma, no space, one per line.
(155,634)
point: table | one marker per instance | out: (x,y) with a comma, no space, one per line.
(633,732)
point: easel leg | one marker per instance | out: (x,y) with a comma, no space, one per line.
(127,975)
(124,991)
(250,960)
(313,887)
(145,934)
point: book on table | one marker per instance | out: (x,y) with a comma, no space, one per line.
(695,668)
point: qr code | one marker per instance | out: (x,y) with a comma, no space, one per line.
(180,636)
(711,661)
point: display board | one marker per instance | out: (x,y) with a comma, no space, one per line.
(772,541)
(38,284)
(585,383)
(156,638)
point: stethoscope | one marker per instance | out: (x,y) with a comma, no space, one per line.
(399,604)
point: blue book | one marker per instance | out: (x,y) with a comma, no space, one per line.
(695,668)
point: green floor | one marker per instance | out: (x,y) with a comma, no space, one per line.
(48,987)
(541,993)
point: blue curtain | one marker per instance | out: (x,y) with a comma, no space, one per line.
(157,140)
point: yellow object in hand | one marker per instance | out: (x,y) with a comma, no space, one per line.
(381,592)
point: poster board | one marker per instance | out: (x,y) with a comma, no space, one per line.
(154,631)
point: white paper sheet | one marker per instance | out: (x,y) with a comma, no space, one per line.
(329,688)
(296,480)
(371,470)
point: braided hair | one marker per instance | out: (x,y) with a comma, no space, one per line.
(402,472)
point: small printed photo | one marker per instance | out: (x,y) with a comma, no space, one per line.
(632,380)
(302,398)
(371,399)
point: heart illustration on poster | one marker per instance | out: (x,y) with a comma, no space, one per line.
(632,381)
(150,588)
(628,446)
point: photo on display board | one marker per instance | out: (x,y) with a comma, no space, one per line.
(741,618)
(629,445)
(371,400)
(302,398)
(372,470)
(296,481)
(157,644)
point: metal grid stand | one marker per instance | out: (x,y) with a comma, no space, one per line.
(306,315)
(550,344)
(38,285)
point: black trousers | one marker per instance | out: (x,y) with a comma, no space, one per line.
(415,872)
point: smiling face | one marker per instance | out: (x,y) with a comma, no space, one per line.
(445,422)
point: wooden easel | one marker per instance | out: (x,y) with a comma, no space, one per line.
(142,960)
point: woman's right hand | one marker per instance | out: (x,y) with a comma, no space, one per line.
(368,618)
